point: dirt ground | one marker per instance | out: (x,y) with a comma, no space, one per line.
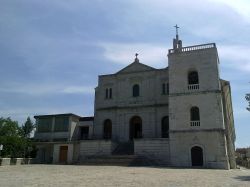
(77,175)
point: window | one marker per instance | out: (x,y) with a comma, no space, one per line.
(193,80)
(165,88)
(108,93)
(195,116)
(165,127)
(107,129)
(61,124)
(136,90)
(44,125)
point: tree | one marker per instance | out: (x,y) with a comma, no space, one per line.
(248,100)
(27,128)
(11,138)
(9,127)
(16,140)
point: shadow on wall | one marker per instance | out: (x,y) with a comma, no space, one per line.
(243,178)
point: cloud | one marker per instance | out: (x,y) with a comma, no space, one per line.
(235,56)
(78,89)
(242,7)
(124,53)
(46,89)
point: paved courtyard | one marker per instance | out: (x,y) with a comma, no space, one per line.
(76,175)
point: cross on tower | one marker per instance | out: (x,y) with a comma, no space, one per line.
(176,27)
(136,59)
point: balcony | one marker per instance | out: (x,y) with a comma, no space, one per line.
(193,87)
(194,123)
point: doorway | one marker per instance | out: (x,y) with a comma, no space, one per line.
(107,129)
(84,133)
(197,156)
(135,128)
(63,154)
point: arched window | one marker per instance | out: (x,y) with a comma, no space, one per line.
(165,127)
(195,114)
(193,77)
(107,129)
(136,90)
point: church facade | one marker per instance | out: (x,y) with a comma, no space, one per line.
(180,115)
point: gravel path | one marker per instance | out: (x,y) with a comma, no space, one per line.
(76,175)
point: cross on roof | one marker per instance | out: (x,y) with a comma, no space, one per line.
(176,27)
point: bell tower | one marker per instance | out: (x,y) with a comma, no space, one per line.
(195,106)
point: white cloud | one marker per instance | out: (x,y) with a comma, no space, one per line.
(235,56)
(242,7)
(42,89)
(78,89)
(124,53)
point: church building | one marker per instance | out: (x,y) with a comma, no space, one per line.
(180,115)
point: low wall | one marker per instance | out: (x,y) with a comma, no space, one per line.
(16,161)
(4,161)
(96,147)
(153,148)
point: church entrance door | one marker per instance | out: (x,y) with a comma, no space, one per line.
(197,156)
(135,128)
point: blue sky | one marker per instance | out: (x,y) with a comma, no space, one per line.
(51,52)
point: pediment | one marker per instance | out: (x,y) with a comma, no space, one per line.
(135,67)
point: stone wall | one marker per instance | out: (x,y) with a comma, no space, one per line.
(151,121)
(153,149)
(229,122)
(96,148)
(151,105)
(213,144)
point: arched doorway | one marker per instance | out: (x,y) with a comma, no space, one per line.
(135,128)
(197,156)
(165,127)
(107,129)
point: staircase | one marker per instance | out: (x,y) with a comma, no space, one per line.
(124,148)
(120,160)
(123,155)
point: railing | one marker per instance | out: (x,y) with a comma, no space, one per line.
(193,48)
(195,123)
(193,86)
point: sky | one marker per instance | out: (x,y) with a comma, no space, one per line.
(51,52)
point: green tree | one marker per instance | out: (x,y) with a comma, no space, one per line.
(9,127)
(16,140)
(27,128)
(11,138)
(248,100)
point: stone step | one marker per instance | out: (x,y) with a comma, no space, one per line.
(125,148)
(121,160)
